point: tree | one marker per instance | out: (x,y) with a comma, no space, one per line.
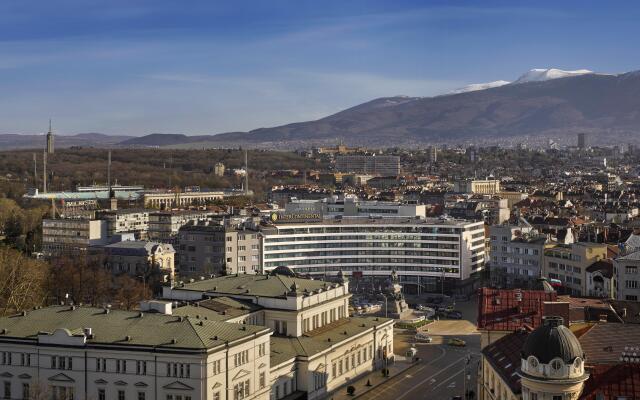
(22,281)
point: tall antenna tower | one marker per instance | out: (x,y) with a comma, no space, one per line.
(246,173)
(44,172)
(109,172)
(35,171)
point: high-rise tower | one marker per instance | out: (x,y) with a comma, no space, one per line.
(50,139)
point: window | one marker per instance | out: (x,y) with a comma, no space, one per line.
(262,349)
(630,269)
(141,367)
(216,367)
(241,358)
(179,370)
(121,366)
(557,397)
(101,364)
(101,394)
(631,297)
(263,379)
(533,396)
(26,391)
(25,359)
(216,396)
(241,390)
(631,284)
(142,395)
(6,358)
(120,394)
(556,365)
(7,390)
(333,370)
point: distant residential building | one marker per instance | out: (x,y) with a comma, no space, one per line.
(218,169)
(164,225)
(210,248)
(627,270)
(369,164)
(582,141)
(492,210)
(129,220)
(351,206)
(282,195)
(432,154)
(139,257)
(568,263)
(516,255)
(69,236)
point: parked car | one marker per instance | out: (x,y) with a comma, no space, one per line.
(456,342)
(454,315)
(423,337)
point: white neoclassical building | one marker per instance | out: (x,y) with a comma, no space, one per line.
(68,352)
(316,347)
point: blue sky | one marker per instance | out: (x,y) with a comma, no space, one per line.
(203,67)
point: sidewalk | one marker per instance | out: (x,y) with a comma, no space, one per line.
(375,378)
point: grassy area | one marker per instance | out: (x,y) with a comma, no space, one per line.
(415,325)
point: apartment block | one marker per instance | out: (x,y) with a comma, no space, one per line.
(210,248)
(568,264)
(69,236)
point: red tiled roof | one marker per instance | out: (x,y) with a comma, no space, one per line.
(611,382)
(605,342)
(504,356)
(500,309)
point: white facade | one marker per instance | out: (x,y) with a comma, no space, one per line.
(70,363)
(376,247)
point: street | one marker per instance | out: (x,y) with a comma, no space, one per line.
(440,373)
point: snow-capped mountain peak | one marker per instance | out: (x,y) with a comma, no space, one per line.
(479,86)
(545,74)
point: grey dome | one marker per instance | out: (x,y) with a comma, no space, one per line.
(552,340)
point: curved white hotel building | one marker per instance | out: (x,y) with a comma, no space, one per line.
(421,251)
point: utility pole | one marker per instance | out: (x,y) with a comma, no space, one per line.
(44,174)
(246,173)
(35,171)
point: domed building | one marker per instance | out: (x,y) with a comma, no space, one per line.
(552,363)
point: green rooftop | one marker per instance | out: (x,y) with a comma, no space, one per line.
(256,285)
(126,328)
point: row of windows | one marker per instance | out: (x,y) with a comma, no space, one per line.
(436,265)
(351,361)
(323,318)
(381,236)
(338,253)
(7,358)
(347,244)
(369,229)
(241,358)
(405,268)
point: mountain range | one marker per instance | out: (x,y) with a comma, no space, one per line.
(541,104)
